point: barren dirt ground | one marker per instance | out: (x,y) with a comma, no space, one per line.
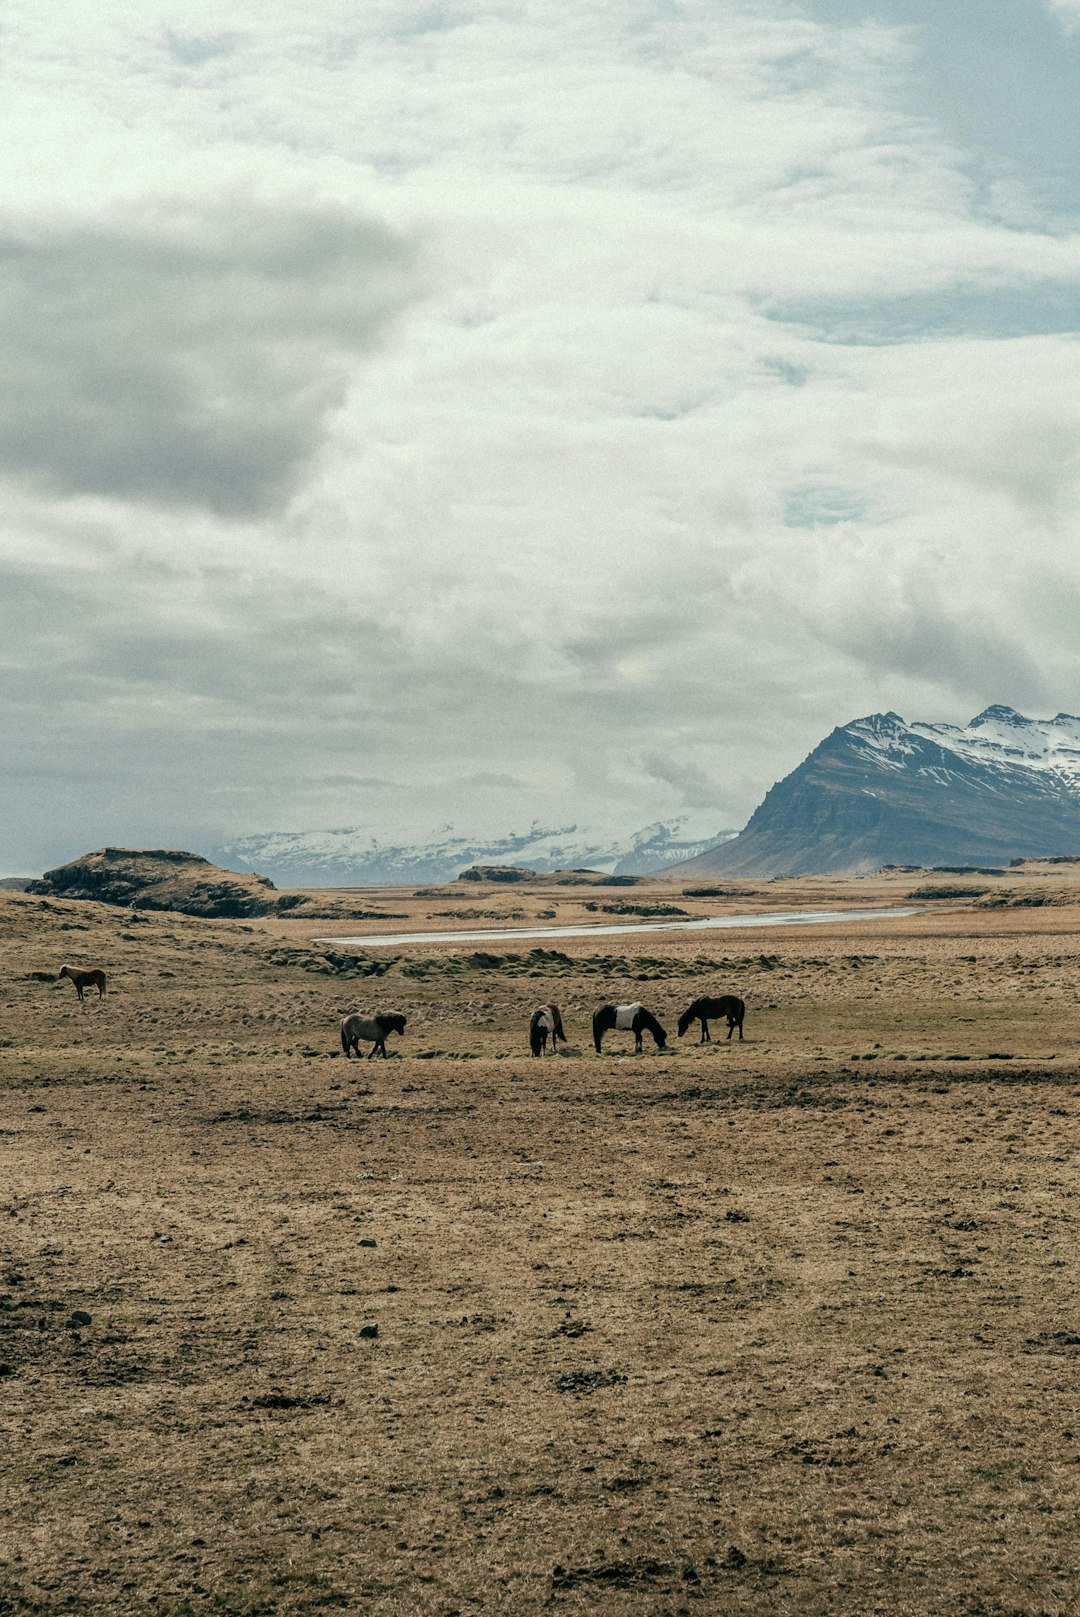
(787,1326)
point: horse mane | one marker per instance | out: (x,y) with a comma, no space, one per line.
(688,1016)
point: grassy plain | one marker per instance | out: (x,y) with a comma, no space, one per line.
(788,1326)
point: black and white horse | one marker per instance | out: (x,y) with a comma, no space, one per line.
(701,1010)
(357,1027)
(629,1019)
(546,1021)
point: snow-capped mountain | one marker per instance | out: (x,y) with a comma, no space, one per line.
(351,857)
(880,791)
(998,738)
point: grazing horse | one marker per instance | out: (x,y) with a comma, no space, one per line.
(94,978)
(631,1019)
(728,1005)
(357,1027)
(545,1019)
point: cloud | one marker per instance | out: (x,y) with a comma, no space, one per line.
(1067,12)
(734,397)
(696,790)
(194,50)
(364,783)
(187,353)
(483,777)
(942,644)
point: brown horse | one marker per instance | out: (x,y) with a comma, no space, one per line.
(727,1005)
(94,978)
(357,1027)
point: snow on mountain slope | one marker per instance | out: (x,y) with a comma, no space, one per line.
(351,857)
(881,791)
(997,736)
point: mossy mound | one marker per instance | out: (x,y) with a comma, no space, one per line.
(165,879)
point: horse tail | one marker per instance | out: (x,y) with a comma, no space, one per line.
(556,1016)
(740,1012)
(600,1025)
(344,1035)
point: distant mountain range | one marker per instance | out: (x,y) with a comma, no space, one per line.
(352,858)
(880,791)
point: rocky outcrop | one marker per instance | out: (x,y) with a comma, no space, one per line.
(164,879)
(879,791)
(497,873)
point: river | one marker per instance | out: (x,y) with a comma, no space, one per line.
(710,923)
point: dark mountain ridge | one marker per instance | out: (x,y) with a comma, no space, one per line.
(880,791)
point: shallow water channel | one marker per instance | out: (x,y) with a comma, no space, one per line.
(710,923)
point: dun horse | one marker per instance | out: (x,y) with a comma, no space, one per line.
(93,978)
(357,1027)
(701,1010)
(631,1019)
(546,1019)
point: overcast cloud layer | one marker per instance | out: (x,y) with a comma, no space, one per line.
(496,413)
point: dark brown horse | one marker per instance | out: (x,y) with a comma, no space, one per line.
(701,1010)
(93,978)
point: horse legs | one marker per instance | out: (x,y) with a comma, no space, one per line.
(706,1036)
(637,1044)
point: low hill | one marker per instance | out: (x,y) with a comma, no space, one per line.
(165,879)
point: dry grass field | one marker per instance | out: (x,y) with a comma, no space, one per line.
(787,1326)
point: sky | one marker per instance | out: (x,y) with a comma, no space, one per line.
(490,411)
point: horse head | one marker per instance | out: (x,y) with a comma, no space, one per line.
(656,1030)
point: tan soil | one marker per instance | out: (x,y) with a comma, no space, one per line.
(788,1326)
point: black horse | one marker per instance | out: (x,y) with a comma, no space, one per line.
(631,1019)
(545,1020)
(728,1005)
